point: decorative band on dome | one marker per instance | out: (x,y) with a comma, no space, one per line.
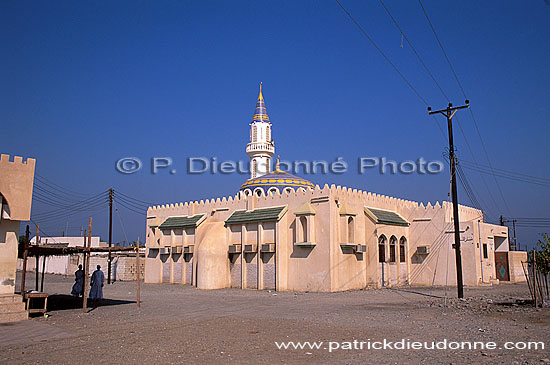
(279,180)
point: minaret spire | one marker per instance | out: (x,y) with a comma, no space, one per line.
(261,147)
(260,114)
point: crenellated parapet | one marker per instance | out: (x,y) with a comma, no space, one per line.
(16,184)
(354,197)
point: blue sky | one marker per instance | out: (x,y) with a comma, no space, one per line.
(86,83)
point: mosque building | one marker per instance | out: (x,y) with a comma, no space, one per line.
(282,232)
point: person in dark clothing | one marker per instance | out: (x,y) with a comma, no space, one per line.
(78,286)
(96,286)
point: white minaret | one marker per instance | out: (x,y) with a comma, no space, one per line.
(261,147)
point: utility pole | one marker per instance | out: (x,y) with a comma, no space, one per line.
(110,234)
(25,255)
(449,112)
(512,242)
(36,258)
(138,276)
(87,267)
(84,256)
(515,240)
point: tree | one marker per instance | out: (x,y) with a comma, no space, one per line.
(543,256)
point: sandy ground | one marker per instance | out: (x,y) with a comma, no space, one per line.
(180,324)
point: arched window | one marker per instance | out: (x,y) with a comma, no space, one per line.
(273,190)
(289,190)
(268,167)
(382,248)
(254,168)
(402,245)
(268,134)
(255,134)
(351,230)
(303,226)
(258,191)
(393,243)
(247,192)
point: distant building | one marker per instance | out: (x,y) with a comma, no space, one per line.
(281,232)
(64,264)
(123,263)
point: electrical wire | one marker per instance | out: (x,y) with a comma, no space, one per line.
(131,203)
(414,50)
(493,200)
(382,53)
(57,187)
(466,97)
(132,198)
(131,209)
(440,89)
(120,220)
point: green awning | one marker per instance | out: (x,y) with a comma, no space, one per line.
(386,217)
(257,215)
(182,222)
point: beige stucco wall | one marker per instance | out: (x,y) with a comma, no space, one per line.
(515,259)
(8,255)
(308,267)
(326,266)
(211,256)
(16,183)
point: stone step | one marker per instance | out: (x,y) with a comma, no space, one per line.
(12,307)
(10,298)
(13,317)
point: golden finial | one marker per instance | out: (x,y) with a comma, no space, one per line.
(260,97)
(277,168)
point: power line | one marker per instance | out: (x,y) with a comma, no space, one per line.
(414,50)
(466,97)
(132,203)
(393,65)
(475,162)
(44,198)
(129,197)
(506,175)
(438,86)
(441,46)
(99,198)
(444,94)
(69,214)
(54,194)
(121,225)
(132,209)
(42,232)
(382,53)
(489,161)
(55,186)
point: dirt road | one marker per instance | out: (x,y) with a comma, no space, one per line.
(180,324)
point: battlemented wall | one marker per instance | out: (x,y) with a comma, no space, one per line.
(16,183)
(327,265)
